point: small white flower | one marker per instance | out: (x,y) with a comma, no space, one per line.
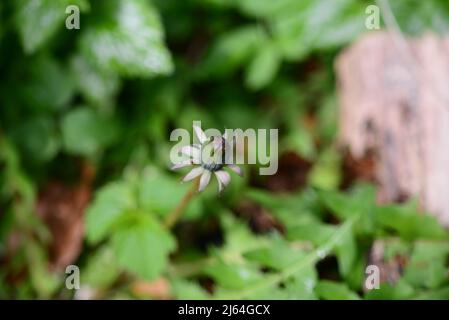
(209,155)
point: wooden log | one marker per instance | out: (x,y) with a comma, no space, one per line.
(394,102)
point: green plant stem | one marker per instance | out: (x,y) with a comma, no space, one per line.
(189,269)
(309,260)
(177,212)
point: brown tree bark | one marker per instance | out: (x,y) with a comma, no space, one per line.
(394,101)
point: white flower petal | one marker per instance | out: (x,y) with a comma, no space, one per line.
(204,181)
(220,186)
(236,169)
(193,152)
(200,134)
(195,172)
(223,178)
(181,164)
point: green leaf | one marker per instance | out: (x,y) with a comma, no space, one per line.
(217,3)
(330,290)
(269,9)
(291,210)
(38,20)
(299,286)
(327,118)
(235,276)
(238,239)
(85,132)
(45,282)
(396,247)
(437,294)
(345,205)
(343,24)
(409,223)
(160,193)
(427,267)
(273,279)
(187,290)
(356,276)
(143,247)
(326,172)
(43,144)
(232,50)
(399,291)
(346,251)
(101,269)
(131,43)
(317,233)
(263,68)
(110,203)
(302,141)
(317,24)
(49,84)
(416,17)
(97,86)
(302,285)
(278,255)
(359,202)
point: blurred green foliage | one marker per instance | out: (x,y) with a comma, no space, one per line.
(110,93)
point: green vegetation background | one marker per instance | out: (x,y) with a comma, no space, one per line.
(107,96)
